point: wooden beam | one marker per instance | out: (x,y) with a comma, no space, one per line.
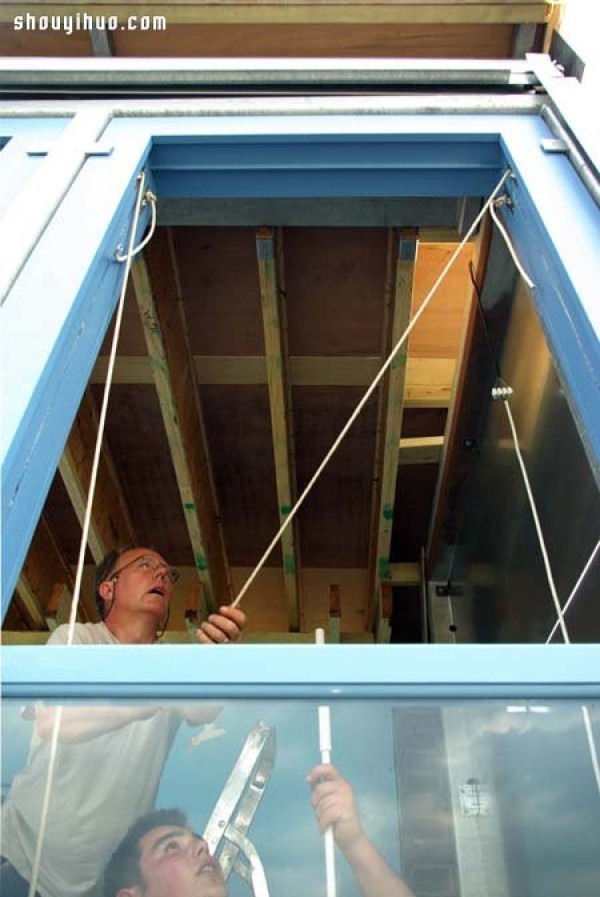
(303,12)
(111,525)
(406,574)
(335,614)
(57,611)
(270,277)
(421,450)
(398,314)
(44,570)
(161,310)
(428,380)
(383,628)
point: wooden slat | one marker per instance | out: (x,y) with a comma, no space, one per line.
(428,380)
(405,255)
(161,311)
(111,525)
(407,574)
(383,629)
(421,450)
(43,570)
(241,12)
(280,408)
(335,614)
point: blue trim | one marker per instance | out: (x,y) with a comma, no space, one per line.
(44,385)
(303,166)
(335,671)
(556,233)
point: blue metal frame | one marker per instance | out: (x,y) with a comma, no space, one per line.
(556,229)
(281,671)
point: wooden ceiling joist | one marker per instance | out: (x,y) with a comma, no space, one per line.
(158,298)
(270,278)
(392,410)
(428,380)
(110,524)
(421,450)
(45,570)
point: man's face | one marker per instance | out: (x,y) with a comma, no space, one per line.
(143,583)
(175,862)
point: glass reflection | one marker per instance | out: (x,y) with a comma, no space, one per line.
(481,799)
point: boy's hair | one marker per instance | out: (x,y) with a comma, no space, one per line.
(123,868)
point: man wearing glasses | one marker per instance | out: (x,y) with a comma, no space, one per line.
(133,591)
(109,758)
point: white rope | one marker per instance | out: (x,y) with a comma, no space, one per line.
(84,537)
(536,520)
(559,611)
(501,202)
(592,744)
(574,590)
(151,198)
(370,390)
(102,420)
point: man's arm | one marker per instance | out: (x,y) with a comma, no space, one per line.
(334,805)
(226,626)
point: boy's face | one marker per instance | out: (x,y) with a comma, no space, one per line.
(175,862)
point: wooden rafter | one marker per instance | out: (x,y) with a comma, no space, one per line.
(46,576)
(391,412)
(110,525)
(160,306)
(421,450)
(270,275)
(428,380)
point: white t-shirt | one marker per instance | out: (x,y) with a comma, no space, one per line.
(100,787)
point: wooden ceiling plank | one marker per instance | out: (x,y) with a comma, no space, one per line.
(279,402)
(111,524)
(421,450)
(161,312)
(392,413)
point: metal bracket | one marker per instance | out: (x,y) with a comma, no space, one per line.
(554,145)
(98,149)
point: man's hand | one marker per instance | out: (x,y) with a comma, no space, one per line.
(226,626)
(334,805)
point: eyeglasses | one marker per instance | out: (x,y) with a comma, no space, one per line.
(146,563)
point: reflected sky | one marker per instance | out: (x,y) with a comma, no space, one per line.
(539,772)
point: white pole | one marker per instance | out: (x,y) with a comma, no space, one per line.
(325,749)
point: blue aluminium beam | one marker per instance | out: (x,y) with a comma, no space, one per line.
(281,671)
(53,323)
(555,226)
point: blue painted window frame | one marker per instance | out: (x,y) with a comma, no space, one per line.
(556,229)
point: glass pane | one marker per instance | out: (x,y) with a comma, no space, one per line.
(472,799)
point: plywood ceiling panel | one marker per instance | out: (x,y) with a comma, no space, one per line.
(334,521)
(335,280)
(136,436)
(220,289)
(238,425)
